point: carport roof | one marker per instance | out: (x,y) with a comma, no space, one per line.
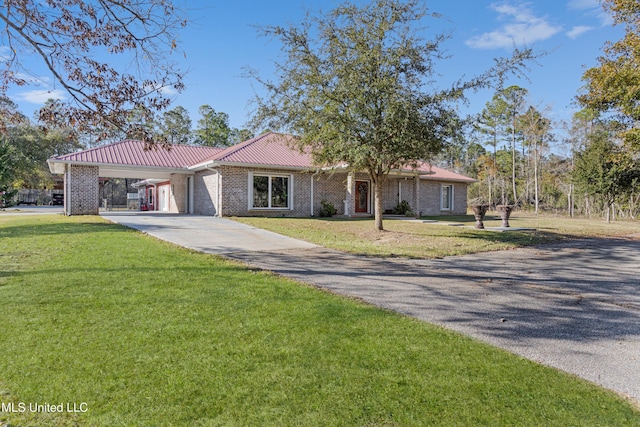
(137,153)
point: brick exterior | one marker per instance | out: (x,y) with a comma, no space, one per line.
(178,193)
(81,190)
(205,189)
(430,194)
(225,192)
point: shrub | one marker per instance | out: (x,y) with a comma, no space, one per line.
(327,209)
(403,208)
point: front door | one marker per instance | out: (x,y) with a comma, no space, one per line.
(163,198)
(362,196)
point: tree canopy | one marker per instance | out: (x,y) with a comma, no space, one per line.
(614,85)
(355,86)
(135,38)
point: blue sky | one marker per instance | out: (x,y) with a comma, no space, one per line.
(222,38)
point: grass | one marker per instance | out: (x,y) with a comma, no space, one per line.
(419,240)
(146,333)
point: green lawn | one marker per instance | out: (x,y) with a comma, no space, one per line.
(414,239)
(149,334)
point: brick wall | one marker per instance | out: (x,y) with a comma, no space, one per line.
(235,197)
(326,186)
(178,193)
(430,193)
(81,194)
(205,191)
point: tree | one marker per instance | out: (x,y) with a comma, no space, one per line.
(237,136)
(514,100)
(135,37)
(354,87)
(491,124)
(536,132)
(213,128)
(605,170)
(614,85)
(176,126)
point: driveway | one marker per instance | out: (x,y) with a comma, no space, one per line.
(574,306)
(207,234)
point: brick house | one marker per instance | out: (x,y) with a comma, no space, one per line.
(259,177)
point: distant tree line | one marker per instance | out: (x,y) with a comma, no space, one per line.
(26,145)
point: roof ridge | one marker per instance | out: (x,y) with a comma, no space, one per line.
(235,148)
(99,147)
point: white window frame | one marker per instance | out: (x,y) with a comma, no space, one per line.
(442,197)
(270,176)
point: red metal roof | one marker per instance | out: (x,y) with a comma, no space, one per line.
(136,153)
(270,150)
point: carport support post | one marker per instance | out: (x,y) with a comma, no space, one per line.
(81,190)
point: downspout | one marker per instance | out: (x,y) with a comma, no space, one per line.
(67,190)
(312,177)
(155,197)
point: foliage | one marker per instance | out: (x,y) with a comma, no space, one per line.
(352,86)
(605,170)
(327,209)
(403,208)
(176,126)
(614,85)
(24,150)
(67,36)
(213,127)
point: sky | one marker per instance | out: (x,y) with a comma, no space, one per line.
(223,38)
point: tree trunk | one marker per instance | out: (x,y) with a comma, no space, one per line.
(377,183)
(513,160)
(535,178)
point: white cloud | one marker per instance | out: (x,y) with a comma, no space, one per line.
(5,52)
(583,4)
(522,27)
(578,30)
(40,96)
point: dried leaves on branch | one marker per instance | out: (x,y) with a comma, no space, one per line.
(109,56)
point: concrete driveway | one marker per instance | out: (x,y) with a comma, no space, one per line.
(207,234)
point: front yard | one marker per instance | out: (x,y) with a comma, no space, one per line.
(435,240)
(134,331)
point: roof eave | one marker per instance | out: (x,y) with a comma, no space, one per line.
(218,163)
(55,164)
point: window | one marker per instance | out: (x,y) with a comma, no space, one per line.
(270,191)
(446,200)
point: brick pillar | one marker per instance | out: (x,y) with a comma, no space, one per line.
(351,190)
(416,195)
(81,191)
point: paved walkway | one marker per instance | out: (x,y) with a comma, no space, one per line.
(573,306)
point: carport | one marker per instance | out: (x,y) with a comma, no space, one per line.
(166,169)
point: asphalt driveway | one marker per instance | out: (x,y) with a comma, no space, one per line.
(573,306)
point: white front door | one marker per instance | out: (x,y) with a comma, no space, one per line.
(163,198)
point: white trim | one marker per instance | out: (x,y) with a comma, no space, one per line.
(451,197)
(290,204)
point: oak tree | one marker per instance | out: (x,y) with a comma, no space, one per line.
(357,86)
